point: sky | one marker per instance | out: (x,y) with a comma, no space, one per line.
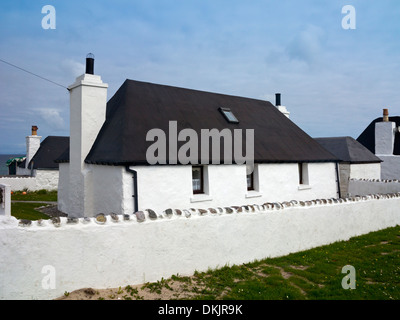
(334,80)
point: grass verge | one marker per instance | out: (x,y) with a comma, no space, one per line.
(21,210)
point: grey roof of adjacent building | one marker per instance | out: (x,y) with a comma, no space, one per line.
(50,149)
(137,107)
(348,150)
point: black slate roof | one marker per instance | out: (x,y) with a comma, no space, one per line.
(367,137)
(50,149)
(348,150)
(137,107)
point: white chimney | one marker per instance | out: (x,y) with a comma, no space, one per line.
(279,106)
(32,145)
(88,100)
(384,135)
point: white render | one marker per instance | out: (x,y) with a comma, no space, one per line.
(41,179)
(284,110)
(349,171)
(365,171)
(361,187)
(384,144)
(384,138)
(131,252)
(88,99)
(5,203)
(32,146)
(170,186)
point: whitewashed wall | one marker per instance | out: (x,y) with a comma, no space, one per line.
(390,166)
(159,187)
(63,187)
(365,171)
(132,252)
(42,179)
(364,186)
(163,187)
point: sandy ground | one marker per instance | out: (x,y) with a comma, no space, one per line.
(168,290)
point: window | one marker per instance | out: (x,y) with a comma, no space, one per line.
(303,173)
(250,181)
(229,116)
(197,179)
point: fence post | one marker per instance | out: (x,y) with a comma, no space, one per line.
(5,200)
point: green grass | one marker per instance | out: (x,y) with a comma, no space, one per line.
(27,211)
(21,210)
(314,274)
(41,195)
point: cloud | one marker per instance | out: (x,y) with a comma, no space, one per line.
(306,45)
(72,68)
(52,117)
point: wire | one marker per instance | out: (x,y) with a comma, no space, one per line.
(33,74)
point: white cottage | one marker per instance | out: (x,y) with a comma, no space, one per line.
(382,137)
(108,169)
(356,161)
(38,169)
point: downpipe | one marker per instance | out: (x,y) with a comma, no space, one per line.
(135,188)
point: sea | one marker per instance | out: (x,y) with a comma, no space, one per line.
(3,160)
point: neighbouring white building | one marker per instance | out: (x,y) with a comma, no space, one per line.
(106,168)
(38,169)
(382,137)
(356,161)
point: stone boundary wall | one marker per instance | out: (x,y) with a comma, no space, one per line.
(361,187)
(43,259)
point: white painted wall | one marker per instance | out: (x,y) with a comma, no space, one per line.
(161,187)
(5,203)
(390,167)
(63,199)
(384,138)
(384,144)
(42,179)
(364,187)
(46,179)
(32,146)
(365,171)
(130,252)
(88,99)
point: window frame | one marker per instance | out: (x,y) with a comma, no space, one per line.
(201,191)
(303,174)
(251,187)
(225,112)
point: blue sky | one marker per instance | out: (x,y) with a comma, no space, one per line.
(333,81)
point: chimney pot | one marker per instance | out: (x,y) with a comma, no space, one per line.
(385,115)
(34,130)
(90,63)
(277,99)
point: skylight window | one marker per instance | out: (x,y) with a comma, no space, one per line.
(229,115)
